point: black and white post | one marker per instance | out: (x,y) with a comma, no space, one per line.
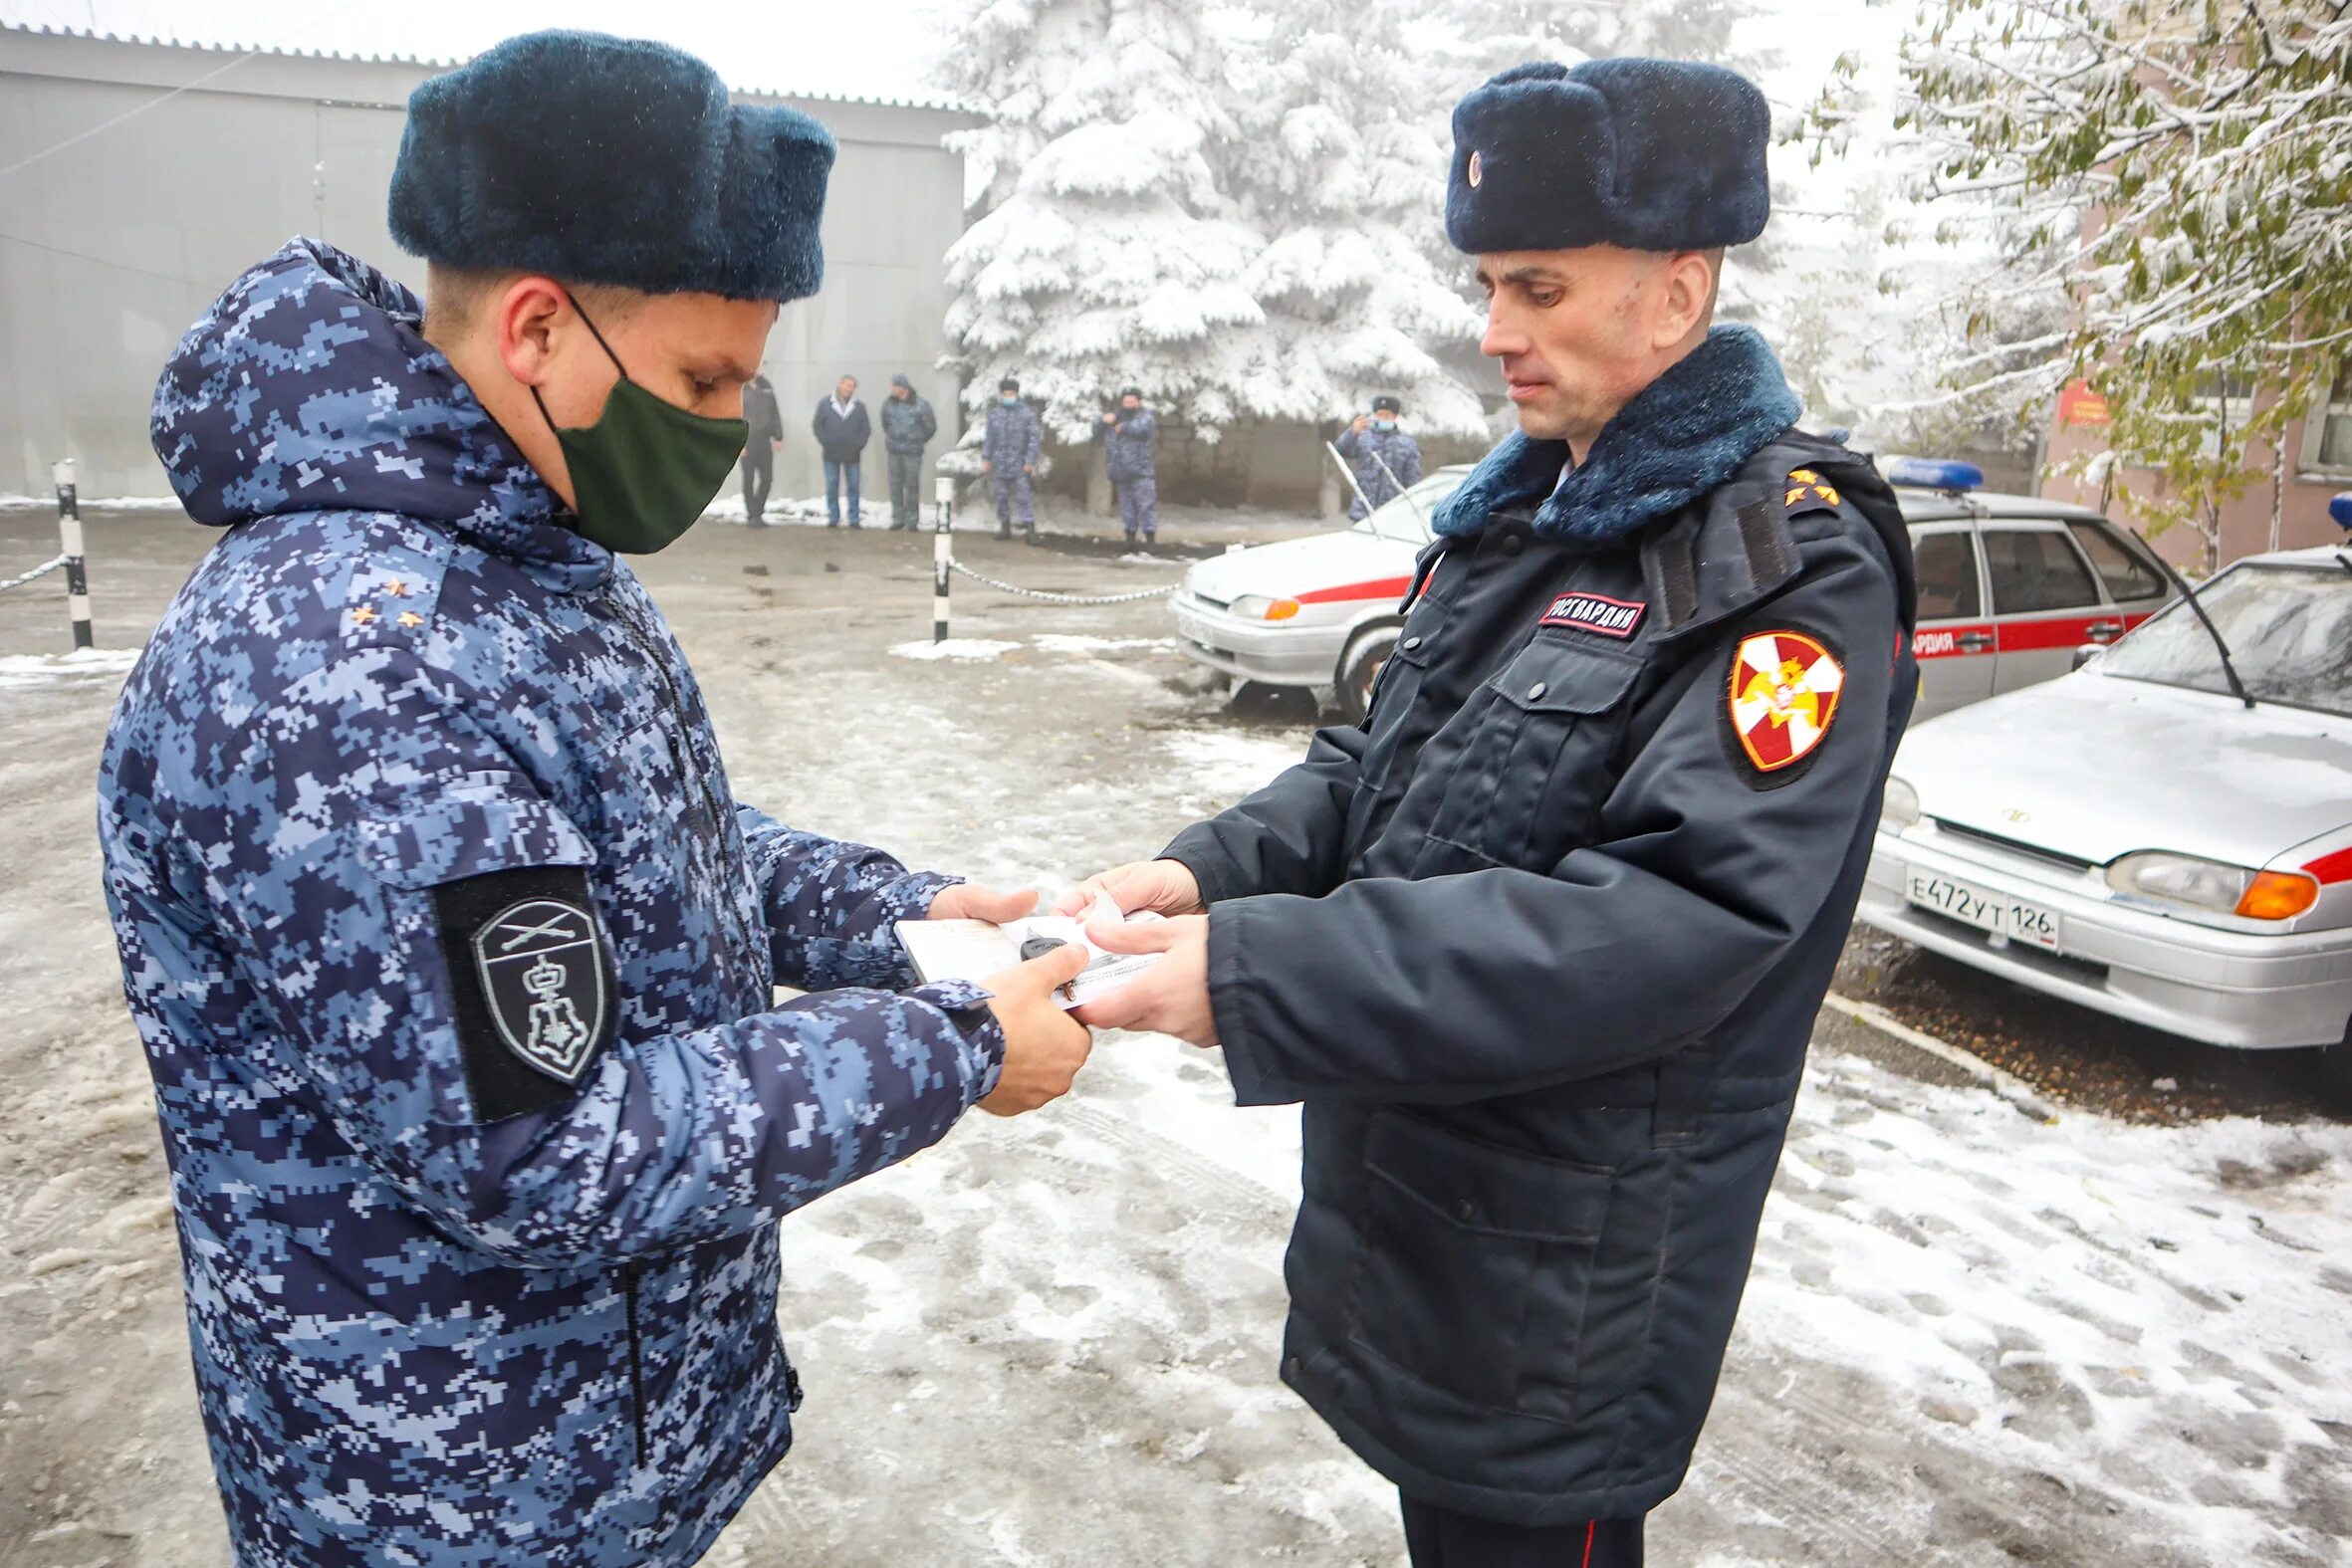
(69,533)
(943,491)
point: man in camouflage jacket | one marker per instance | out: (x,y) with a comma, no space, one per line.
(452,952)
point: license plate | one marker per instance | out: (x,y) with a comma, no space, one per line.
(2012,918)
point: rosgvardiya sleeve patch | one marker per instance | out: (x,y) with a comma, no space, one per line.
(532,983)
(1779,701)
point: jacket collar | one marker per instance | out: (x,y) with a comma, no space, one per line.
(1680,436)
(308,387)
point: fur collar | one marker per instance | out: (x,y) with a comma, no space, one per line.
(1682,436)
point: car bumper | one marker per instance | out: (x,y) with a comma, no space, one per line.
(2224,988)
(1277,653)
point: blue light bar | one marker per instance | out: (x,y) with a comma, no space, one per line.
(1928,474)
(2339,507)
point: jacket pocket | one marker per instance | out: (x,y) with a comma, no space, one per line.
(1538,762)
(1475,1262)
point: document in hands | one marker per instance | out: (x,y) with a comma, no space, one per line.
(974,950)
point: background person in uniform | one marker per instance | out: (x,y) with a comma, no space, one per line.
(907,427)
(451,951)
(1377,448)
(759,448)
(1009,450)
(1130,442)
(842,429)
(1541,944)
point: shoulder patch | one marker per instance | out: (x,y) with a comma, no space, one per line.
(1807,491)
(1781,698)
(531,985)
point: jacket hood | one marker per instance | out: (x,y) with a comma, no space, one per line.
(1680,436)
(308,387)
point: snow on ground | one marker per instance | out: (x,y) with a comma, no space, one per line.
(90,504)
(41,669)
(2154,1319)
(966,648)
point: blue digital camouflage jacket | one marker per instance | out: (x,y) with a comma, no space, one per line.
(1012,438)
(1386,463)
(453,959)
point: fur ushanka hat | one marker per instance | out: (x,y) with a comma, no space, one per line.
(1648,154)
(611,160)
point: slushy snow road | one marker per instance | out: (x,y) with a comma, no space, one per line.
(1978,1334)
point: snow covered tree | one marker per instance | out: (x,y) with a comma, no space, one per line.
(1341,170)
(1106,253)
(2179,174)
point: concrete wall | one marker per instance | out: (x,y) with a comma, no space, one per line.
(111,245)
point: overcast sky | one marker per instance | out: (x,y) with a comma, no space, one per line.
(792,45)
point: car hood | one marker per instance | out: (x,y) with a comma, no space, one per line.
(2095,766)
(1317,564)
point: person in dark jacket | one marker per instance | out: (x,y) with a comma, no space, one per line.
(451,950)
(1130,437)
(759,447)
(907,427)
(1539,944)
(1385,460)
(1008,449)
(842,429)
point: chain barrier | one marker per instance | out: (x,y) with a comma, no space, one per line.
(42,571)
(1060,598)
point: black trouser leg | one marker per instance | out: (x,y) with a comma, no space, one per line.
(759,473)
(1441,1538)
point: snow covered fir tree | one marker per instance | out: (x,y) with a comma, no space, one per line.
(1227,208)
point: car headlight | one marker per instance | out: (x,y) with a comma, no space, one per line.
(2198,883)
(1257,606)
(1899,807)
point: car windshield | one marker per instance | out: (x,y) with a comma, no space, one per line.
(2289,630)
(1407,517)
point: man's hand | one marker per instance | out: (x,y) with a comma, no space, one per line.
(1110,419)
(1027,469)
(1166,887)
(1172,997)
(1362,423)
(987,466)
(1044,1047)
(969,901)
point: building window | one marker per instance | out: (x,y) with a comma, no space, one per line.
(2226,404)
(2333,449)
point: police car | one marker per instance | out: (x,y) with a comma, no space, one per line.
(2165,834)
(2010,585)
(1319,611)
(2009,588)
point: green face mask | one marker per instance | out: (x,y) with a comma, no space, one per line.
(643,471)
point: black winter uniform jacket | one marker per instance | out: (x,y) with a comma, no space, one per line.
(1540,946)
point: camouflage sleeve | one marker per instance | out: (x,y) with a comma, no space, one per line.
(361,802)
(1346,444)
(1032,439)
(830,905)
(1408,468)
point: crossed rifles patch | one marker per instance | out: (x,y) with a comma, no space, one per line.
(1784,694)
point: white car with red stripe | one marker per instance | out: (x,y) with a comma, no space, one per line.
(2009,586)
(1318,611)
(2009,589)
(2138,838)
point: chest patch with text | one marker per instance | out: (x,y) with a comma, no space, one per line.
(1595,613)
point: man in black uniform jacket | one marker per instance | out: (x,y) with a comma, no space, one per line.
(1539,944)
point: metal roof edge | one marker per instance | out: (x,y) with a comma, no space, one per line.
(937,105)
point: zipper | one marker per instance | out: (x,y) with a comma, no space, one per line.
(628,1276)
